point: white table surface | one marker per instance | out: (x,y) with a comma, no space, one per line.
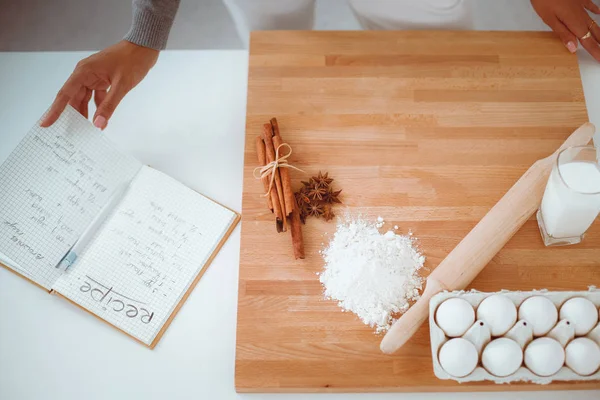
(186,118)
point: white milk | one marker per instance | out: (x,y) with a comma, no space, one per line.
(565,212)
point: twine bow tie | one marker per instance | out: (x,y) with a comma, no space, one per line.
(271,167)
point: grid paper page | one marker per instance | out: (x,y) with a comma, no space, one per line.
(52,185)
(146,255)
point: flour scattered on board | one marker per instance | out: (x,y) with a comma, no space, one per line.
(373,275)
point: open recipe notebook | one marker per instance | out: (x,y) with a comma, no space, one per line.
(138,239)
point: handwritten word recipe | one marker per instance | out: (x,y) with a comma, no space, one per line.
(53,185)
(147,255)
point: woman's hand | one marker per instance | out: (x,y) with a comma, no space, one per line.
(570,20)
(109,75)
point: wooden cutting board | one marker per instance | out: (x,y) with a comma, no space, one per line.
(426,129)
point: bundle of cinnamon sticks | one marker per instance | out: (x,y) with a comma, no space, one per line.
(280,199)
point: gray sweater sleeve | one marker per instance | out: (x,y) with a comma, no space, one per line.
(152,20)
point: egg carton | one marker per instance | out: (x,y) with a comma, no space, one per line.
(523,374)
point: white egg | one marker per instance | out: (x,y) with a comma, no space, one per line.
(583,356)
(595,334)
(582,313)
(540,313)
(502,357)
(454,316)
(458,357)
(544,356)
(498,312)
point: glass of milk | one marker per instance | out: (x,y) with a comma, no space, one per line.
(571,201)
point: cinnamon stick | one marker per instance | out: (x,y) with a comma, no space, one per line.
(270,149)
(262,161)
(296,228)
(272,199)
(288,193)
(290,201)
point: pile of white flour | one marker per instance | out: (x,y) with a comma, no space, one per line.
(373,275)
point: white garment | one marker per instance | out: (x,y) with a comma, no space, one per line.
(250,15)
(260,15)
(413,14)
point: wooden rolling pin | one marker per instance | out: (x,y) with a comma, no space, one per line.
(484,241)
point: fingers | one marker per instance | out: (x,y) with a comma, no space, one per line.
(565,35)
(571,22)
(591,45)
(109,103)
(83,108)
(99,96)
(595,29)
(579,24)
(65,94)
(590,5)
(76,100)
(587,35)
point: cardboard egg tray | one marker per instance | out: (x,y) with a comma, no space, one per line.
(438,337)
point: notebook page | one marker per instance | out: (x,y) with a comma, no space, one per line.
(146,255)
(52,185)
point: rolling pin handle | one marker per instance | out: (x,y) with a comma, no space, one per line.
(403,329)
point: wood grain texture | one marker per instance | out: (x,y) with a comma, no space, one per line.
(428,130)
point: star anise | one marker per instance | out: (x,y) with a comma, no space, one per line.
(328,213)
(315,210)
(316,192)
(308,184)
(332,197)
(322,180)
(302,217)
(302,207)
(302,197)
(316,198)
